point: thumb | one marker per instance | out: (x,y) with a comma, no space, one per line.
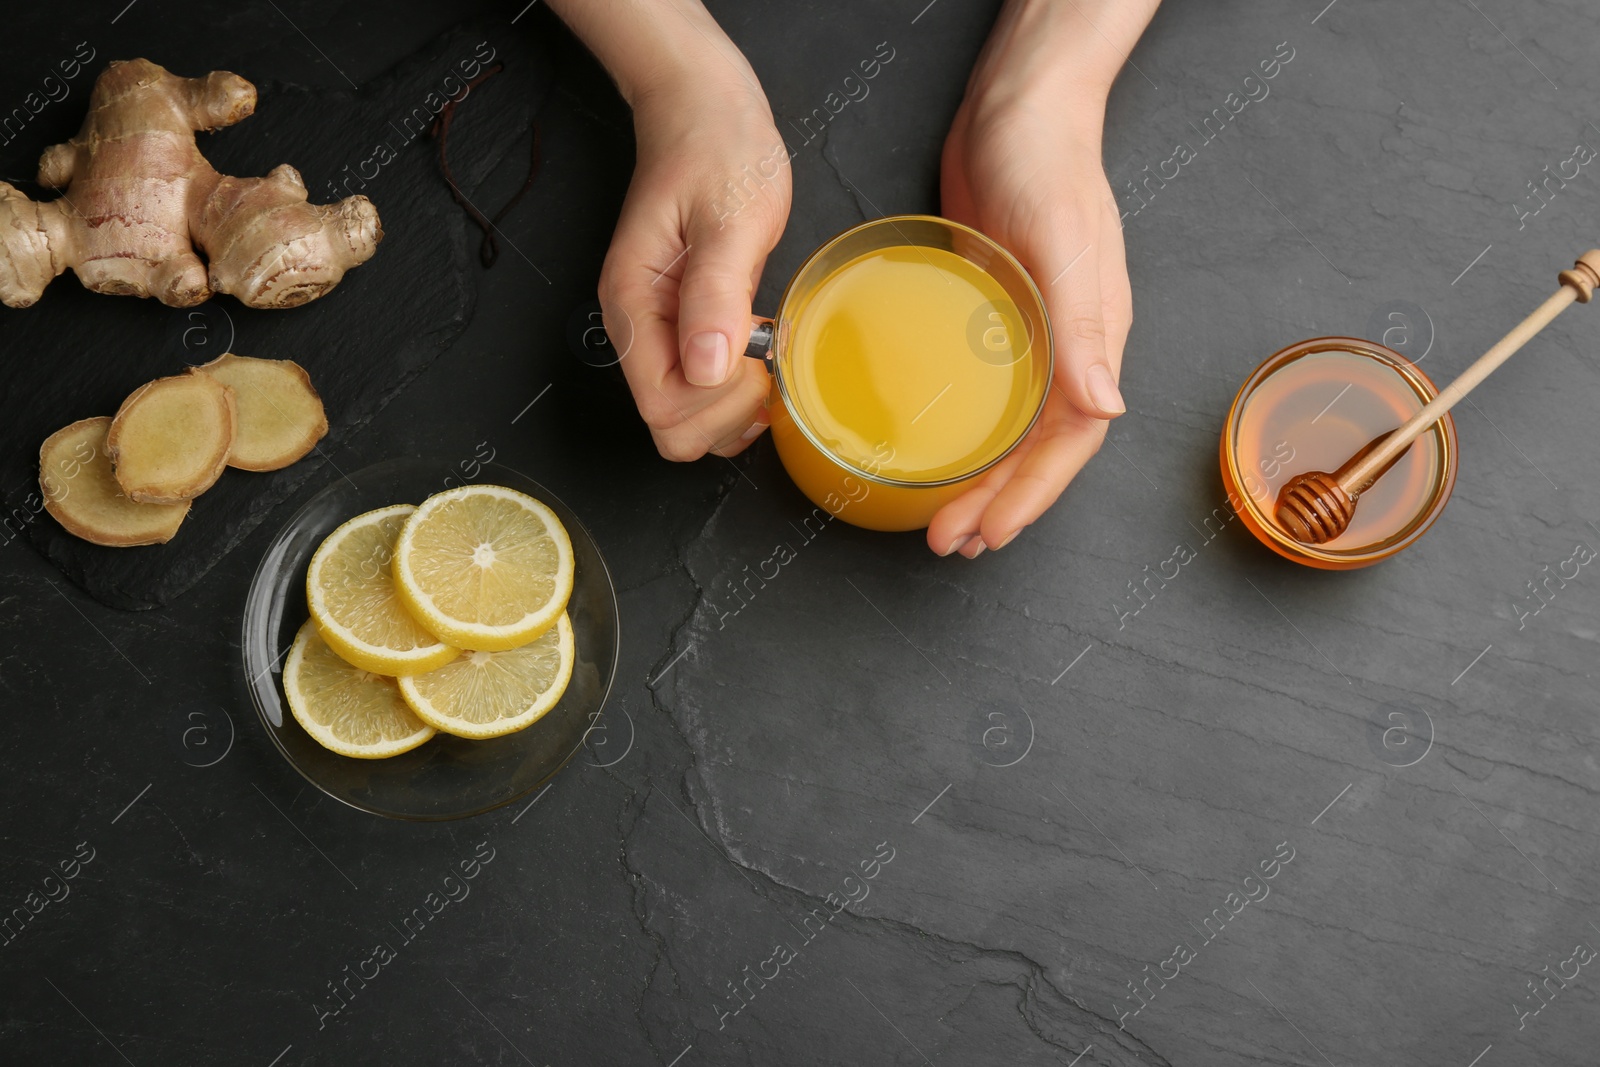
(714,296)
(1084,370)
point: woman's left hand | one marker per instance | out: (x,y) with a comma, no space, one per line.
(1022,165)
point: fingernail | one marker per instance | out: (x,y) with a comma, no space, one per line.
(1103,390)
(705,359)
(972,552)
(958,544)
(754,431)
(1010,538)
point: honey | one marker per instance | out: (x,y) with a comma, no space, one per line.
(1311,407)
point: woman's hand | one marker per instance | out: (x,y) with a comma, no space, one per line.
(708,201)
(1022,165)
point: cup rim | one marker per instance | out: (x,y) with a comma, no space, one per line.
(1044,332)
(1265,529)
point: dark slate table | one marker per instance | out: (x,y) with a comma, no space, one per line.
(900,809)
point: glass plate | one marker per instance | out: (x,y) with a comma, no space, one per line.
(448,777)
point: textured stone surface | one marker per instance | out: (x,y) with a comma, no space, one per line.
(1054,831)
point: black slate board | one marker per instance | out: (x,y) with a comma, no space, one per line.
(76,354)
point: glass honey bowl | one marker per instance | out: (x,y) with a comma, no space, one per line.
(1313,405)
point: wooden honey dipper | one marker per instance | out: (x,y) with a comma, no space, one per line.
(1315,507)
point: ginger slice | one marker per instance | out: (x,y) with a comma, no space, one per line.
(170,439)
(280,414)
(81,491)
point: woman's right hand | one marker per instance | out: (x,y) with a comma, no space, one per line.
(709,199)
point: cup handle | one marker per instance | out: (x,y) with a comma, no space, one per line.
(760,343)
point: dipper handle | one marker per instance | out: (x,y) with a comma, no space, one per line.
(1577,284)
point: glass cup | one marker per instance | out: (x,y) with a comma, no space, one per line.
(1275,431)
(861,493)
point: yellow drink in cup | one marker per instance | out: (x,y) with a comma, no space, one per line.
(910,355)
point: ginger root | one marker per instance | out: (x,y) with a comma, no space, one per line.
(141,200)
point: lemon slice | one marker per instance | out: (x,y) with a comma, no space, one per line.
(489,694)
(484,567)
(350,590)
(346,709)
